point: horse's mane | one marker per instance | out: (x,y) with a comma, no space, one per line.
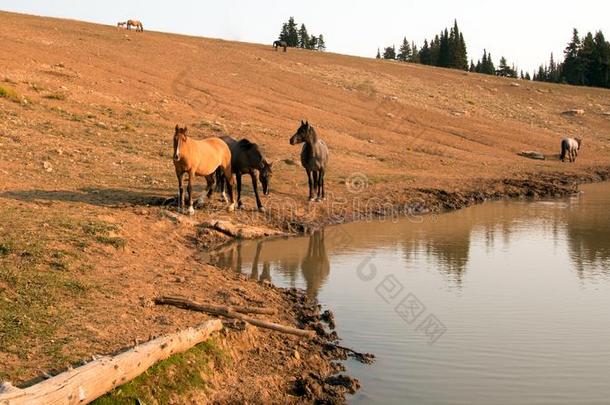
(246,145)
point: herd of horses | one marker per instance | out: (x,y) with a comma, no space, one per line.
(224,160)
(131,23)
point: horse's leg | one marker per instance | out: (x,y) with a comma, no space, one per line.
(316,183)
(238,178)
(259,205)
(191,210)
(321,185)
(210,181)
(230,186)
(310,182)
(180,191)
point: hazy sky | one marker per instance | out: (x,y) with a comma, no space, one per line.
(526,32)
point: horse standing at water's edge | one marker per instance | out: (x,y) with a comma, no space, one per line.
(200,158)
(314,158)
(570,148)
(246,158)
(280,44)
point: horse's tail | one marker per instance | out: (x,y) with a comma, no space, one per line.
(564,149)
(220,180)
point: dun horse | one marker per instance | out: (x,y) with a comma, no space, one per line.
(280,44)
(200,158)
(314,158)
(135,23)
(246,158)
(570,148)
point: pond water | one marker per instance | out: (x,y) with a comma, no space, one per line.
(506,302)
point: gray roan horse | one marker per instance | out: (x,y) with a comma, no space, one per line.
(280,44)
(246,158)
(570,148)
(314,158)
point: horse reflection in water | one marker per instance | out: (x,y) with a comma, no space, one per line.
(315,266)
(312,263)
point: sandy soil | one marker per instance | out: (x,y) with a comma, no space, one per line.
(85,146)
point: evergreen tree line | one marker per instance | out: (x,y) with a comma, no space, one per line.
(448,49)
(300,38)
(586,63)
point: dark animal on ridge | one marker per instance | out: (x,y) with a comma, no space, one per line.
(280,44)
(314,158)
(246,158)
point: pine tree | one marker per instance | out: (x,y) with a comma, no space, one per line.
(504,70)
(284,33)
(541,76)
(490,68)
(444,53)
(472,67)
(293,34)
(314,42)
(321,43)
(435,48)
(390,53)
(303,37)
(572,71)
(478,67)
(404,53)
(378,54)
(424,53)
(414,53)
(600,69)
(527,76)
(587,56)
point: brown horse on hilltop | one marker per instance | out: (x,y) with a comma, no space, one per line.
(201,158)
(135,23)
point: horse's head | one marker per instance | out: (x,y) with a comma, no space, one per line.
(264,175)
(179,139)
(303,134)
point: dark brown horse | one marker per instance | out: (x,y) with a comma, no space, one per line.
(246,158)
(280,44)
(314,158)
(200,158)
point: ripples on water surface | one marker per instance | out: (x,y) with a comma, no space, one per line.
(515,296)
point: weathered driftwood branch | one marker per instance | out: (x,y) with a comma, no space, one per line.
(84,384)
(230,312)
(210,308)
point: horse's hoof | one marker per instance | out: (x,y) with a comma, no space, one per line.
(311,199)
(191,210)
(231,208)
(262,209)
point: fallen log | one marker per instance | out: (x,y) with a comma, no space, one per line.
(84,384)
(210,308)
(229,312)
